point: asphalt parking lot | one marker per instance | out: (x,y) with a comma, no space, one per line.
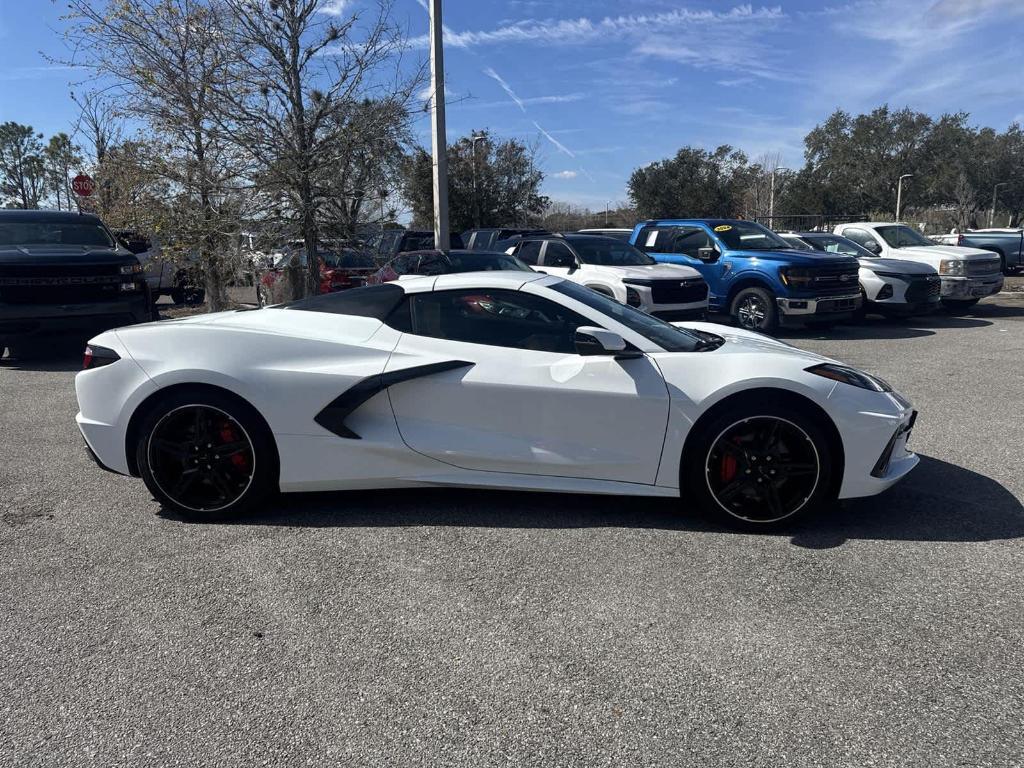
(485,628)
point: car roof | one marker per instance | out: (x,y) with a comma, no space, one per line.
(452,252)
(66,217)
(871,224)
(509,279)
(709,222)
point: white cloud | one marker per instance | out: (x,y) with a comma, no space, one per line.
(564,175)
(583,29)
(558,145)
(506,87)
(333,7)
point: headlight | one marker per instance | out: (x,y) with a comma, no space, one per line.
(795,277)
(131,269)
(849,376)
(951,267)
(633,297)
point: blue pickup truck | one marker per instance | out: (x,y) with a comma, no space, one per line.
(753,274)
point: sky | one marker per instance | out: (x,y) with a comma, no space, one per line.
(604,87)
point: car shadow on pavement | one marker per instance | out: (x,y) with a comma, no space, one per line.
(937,502)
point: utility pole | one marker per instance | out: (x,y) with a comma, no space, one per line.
(899,193)
(771,197)
(995,193)
(438,135)
(476,200)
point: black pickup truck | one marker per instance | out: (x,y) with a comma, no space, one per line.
(64,273)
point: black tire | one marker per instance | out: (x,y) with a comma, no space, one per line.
(232,453)
(956,306)
(731,465)
(755,309)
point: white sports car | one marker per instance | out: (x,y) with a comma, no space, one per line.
(485,379)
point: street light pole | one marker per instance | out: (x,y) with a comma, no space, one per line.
(771,197)
(476,200)
(995,193)
(607,205)
(438,135)
(899,193)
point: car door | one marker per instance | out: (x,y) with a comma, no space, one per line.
(557,259)
(510,394)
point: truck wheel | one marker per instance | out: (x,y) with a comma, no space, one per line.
(955,307)
(755,310)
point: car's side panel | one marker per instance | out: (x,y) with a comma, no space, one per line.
(530,412)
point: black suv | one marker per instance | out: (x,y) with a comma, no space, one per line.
(496,239)
(65,273)
(385,245)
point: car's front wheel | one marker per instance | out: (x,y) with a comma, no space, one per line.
(755,310)
(205,455)
(760,466)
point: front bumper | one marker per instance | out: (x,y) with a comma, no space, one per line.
(967,288)
(821,305)
(875,429)
(28,320)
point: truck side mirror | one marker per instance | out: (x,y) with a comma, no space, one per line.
(709,253)
(873,246)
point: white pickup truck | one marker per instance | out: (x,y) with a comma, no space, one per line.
(968,274)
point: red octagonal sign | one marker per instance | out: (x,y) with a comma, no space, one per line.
(83,185)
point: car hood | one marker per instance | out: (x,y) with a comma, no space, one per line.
(646,271)
(800,258)
(63,255)
(740,341)
(942,252)
(898,266)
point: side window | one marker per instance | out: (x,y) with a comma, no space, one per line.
(496,318)
(403,264)
(388,242)
(656,239)
(433,264)
(688,240)
(859,236)
(529,251)
(558,255)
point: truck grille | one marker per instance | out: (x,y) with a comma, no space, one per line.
(678,291)
(922,290)
(983,267)
(59,284)
(835,279)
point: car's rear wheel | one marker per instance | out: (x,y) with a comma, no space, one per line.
(206,456)
(760,467)
(755,310)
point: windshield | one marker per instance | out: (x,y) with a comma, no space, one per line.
(794,242)
(837,244)
(54,233)
(608,252)
(748,236)
(900,236)
(668,337)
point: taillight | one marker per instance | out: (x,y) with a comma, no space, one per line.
(96,357)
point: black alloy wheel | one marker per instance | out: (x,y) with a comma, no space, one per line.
(206,456)
(201,458)
(762,469)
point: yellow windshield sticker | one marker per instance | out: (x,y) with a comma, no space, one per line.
(723,227)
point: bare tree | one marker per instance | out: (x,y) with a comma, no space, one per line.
(300,83)
(165,57)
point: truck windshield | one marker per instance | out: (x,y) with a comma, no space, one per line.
(54,233)
(748,236)
(901,236)
(609,252)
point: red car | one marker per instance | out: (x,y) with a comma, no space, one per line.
(340,268)
(443,263)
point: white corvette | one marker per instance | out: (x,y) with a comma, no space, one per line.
(485,379)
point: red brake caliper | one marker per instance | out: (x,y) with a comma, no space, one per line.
(728,468)
(229,435)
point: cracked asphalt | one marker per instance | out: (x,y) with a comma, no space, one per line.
(490,629)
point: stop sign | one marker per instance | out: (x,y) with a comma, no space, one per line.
(83,185)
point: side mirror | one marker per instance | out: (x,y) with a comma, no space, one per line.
(591,340)
(574,266)
(873,246)
(709,253)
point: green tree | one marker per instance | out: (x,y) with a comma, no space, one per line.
(22,170)
(693,183)
(497,185)
(62,157)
